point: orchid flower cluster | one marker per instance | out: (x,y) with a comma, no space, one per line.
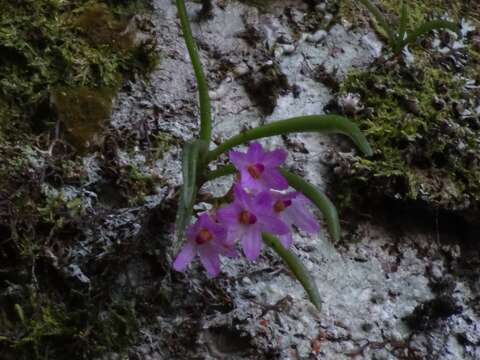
(262,210)
(261,205)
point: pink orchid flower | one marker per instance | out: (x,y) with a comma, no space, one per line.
(292,209)
(258,168)
(247,217)
(207,239)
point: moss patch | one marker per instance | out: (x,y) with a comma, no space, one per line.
(421,122)
(418,11)
(61,65)
(45,45)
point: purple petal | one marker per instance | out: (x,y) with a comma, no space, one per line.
(204,221)
(288,196)
(297,214)
(238,159)
(218,231)
(286,240)
(274,225)
(248,182)
(252,243)
(209,259)
(184,257)
(274,158)
(255,153)
(242,198)
(262,203)
(229,214)
(226,249)
(274,179)
(235,232)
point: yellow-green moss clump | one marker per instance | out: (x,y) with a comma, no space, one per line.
(45,45)
(61,63)
(421,121)
(418,11)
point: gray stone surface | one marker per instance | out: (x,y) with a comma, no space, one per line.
(381,272)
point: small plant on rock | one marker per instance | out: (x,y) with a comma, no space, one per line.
(398,36)
(259,209)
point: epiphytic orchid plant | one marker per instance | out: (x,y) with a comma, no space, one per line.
(262,210)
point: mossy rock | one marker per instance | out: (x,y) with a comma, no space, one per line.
(426,146)
(46,45)
(83,113)
(61,63)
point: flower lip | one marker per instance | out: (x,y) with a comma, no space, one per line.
(203,237)
(256,170)
(247,218)
(281,205)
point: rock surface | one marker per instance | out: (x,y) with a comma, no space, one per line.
(400,286)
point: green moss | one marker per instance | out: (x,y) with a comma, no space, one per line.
(42,329)
(418,11)
(61,62)
(45,45)
(136,185)
(83,113)
(425,151)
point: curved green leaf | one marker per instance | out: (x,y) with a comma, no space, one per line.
(427,27)
(192,153)
(221,171)
(297,268)
(311,123)
(205,106)
(319,199)
(402,29)
(381,20)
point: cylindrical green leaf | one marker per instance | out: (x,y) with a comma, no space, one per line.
(297,268)
(311,123)
(319,199)
(205,107)
(192,152)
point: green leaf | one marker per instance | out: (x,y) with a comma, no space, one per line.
(381,20)
(205,106)
(20,313)
(192,156)
(428,26)
(319,199)
(402,29)
(312,123)
(221,171)
(297,268)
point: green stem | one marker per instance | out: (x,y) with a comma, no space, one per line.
(205,107)
(297,268)
(319,123)
(221,171)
